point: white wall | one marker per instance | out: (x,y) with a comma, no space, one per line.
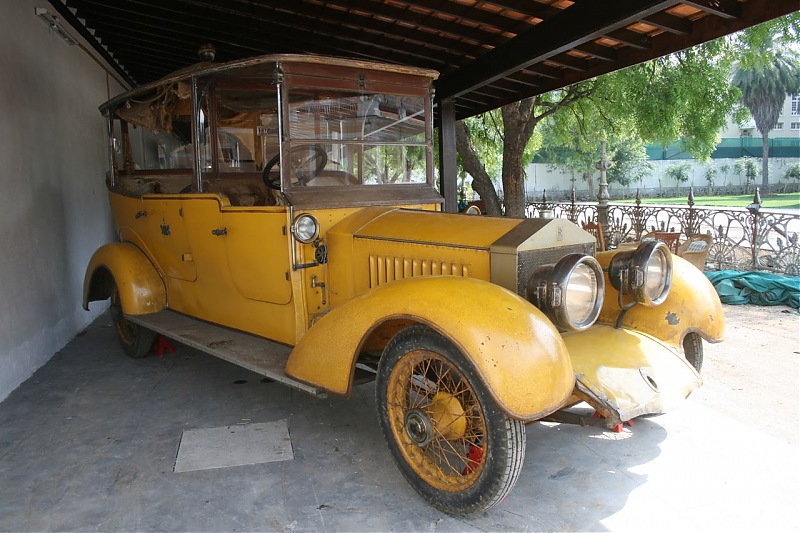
(541,176)
(53,206)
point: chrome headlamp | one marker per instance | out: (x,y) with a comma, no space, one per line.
(305,228)
(645,273)
(570,292)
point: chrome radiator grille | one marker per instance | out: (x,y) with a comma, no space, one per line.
(530,260)
(383,269)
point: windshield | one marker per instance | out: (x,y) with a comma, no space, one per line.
(355,139)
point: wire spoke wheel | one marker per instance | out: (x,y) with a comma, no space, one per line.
(436,419)
(447,435)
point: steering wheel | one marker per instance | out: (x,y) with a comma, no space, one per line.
(306,162)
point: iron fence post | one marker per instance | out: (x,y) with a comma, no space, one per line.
(602,198)
(689,228)
(755,209)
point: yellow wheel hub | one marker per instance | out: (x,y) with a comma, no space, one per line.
(436,420)
(447,416)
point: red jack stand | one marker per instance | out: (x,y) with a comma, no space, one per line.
(618,427)
(162,345)
(473,459)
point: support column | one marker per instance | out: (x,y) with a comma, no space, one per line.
(448,177)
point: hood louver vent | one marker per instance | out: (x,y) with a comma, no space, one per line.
(383,269)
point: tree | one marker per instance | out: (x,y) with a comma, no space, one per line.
(725,169)
(627,153)
(764,89)
(792,173)
(630,162)
(686,96)
(513,127)
(680,172)
(746,167)
(711,176)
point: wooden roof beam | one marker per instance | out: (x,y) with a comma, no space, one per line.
(704,29)
(576,25)
(670,23)
(726,9)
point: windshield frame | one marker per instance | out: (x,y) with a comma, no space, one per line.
(297,77)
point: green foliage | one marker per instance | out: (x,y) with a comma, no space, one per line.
(630,162)
(764,88)
(765,82)
(627,154)
(680,172)
(747,168)
(487,133)
(710,175)
(793,172)
(783,33)
(685,96)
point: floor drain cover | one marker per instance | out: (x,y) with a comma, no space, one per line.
(204,449)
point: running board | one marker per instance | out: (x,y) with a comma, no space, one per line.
(253,353)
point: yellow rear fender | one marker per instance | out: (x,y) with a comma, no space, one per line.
(518,354)
(692,306)
(123,265)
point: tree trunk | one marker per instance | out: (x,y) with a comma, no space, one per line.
(481,182)
(513,179)
(518,126)
(765,162)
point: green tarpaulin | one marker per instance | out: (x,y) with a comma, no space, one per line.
(760,288)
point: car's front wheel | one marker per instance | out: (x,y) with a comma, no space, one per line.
(449,438)
(135,339)
(693,350)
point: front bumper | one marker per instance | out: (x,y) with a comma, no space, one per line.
(624,374)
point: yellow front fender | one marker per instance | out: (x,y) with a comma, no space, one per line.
(141,289)
(517,352)
(692,306)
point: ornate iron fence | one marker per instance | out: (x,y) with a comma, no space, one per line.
(746,238)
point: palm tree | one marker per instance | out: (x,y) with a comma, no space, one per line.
(764,89)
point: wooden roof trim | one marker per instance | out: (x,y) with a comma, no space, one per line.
(579,24)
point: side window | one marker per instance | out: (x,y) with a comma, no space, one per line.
(152,141)
(159,129)
(162,150)
(246,127)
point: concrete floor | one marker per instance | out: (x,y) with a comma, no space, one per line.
(90,441)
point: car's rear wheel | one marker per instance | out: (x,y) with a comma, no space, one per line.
(449,438)
(135,339)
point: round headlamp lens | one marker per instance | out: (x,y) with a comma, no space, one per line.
(655,278)
(581,294)
(570,292)
(306,228)
(645,274)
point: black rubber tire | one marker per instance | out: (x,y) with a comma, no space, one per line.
(503,446)
(135,340)
(693,350)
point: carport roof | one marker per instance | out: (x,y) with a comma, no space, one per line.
(489,52)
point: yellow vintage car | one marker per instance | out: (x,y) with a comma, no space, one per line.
(280,213)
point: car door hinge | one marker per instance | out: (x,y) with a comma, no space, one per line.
(321,285)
